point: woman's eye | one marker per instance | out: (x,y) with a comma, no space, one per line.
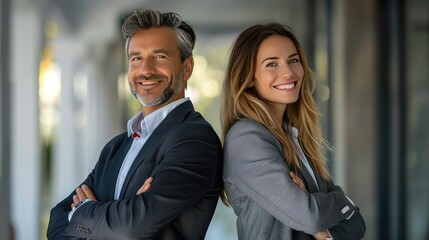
(294,60)
(271,64)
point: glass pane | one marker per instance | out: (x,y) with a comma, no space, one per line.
(418,119)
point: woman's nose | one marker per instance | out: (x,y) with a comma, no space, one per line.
(286,71)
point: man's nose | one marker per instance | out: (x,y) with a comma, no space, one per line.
(147,67)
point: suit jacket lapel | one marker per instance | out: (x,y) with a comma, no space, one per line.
(305,175)
(307,179)
(105,188)
(176,115)
(320,182)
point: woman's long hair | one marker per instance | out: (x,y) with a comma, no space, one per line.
(240,100)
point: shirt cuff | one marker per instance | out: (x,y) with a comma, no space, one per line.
(330,236)
(353,210)
(78,206)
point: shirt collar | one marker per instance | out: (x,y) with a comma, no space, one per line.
(145,125)
(291,129)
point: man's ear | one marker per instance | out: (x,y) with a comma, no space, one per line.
(188,67)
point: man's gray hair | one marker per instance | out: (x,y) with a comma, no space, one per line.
(145,19)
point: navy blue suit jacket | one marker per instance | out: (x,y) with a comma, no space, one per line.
(183,154)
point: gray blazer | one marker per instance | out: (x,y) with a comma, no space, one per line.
(268,204)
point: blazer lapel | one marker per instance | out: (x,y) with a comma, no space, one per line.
(105,188)
(307,179)
(176,115)
(320,182)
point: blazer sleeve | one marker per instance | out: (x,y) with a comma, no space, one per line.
(348,229)
(189,167)
(254,164)
(58,220)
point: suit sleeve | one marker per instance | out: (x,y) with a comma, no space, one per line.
(188,169)
(348,229)
(351,229)
(58,220)
(253,163)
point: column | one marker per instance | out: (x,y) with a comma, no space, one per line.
(25,139)
(5,110)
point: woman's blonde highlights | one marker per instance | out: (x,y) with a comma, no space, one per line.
(239,99)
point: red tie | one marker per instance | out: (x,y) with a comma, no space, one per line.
(135,135)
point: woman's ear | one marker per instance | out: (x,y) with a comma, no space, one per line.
(251,84)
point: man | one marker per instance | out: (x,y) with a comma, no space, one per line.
(168,144)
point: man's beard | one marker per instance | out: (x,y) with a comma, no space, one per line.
(165,96)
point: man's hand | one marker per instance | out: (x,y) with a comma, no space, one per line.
(82,193)
(146,185)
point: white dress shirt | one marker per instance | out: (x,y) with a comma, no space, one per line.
(301,154)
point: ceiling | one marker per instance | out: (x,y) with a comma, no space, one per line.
(205,15)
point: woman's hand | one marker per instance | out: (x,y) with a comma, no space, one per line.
(320,235)
(297,180)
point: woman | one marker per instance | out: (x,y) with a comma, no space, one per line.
(275,177)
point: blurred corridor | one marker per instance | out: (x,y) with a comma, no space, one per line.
(64,94)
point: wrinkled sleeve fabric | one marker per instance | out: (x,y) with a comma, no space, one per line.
(58,220)
(351,229)
(348,229)
(185,173)
(253,163)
